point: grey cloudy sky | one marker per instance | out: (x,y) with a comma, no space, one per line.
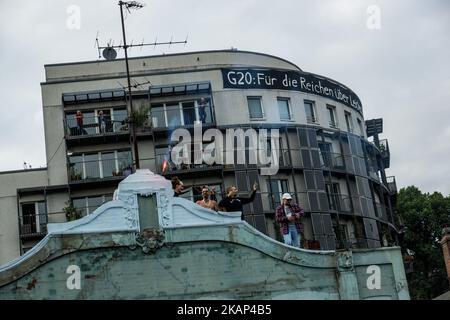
(400,72)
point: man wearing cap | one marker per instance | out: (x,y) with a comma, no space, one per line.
(288,216)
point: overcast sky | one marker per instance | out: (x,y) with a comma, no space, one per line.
(400,71)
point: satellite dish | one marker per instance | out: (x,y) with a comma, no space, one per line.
(109,53)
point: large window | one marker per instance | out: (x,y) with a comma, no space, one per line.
(255,108)
(276,189)
(100,165)
(332,116)
(185,113)
(349,121)
(87,205)
(33,218)
(310,112)
(284,109)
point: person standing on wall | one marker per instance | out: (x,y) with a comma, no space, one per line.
(207,201)
(233,203)
(288,215)
(177,186)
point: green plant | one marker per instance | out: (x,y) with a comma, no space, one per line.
(71,212)
(139,116)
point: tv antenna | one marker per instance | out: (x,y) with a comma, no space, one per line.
(109,53)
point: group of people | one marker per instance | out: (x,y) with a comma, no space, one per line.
(288,214)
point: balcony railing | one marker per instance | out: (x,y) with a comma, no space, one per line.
(392,184)
(311,119)
(33,225)
(92,126)
(385,153)
(332,160)
(100,169)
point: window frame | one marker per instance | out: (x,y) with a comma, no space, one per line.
(349,121)
(288,101)
(314,119)
(263,115)
(333,123)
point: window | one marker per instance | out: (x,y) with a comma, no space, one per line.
(158,116)
(100,165)
(283,109)
(189,115)
(333,194)
(255,108)
(331,116)
(276,189)
(87,205)
(360,126)
(349,121)
(33,218)
(173,114)
(310,112)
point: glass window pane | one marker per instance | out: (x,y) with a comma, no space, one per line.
(119,117)
(158,118)
(94,203)
(309,110)
(108,164)
(80,204)
(283,108)
(76,167)
(255,108)
(173,115)
(91,165)
(189,113)
(89,122)
(124,160)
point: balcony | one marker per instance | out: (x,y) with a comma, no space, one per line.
(95,130)
(334,161)
(33,226)
(391,184)
(98,170)
(385,154)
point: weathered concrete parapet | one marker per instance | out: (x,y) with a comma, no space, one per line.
(347,280)
(146,244)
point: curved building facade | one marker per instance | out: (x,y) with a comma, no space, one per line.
(325,159)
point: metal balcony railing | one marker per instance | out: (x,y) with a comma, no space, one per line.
(332,160)
(392,184)
(33,225)
(92,126)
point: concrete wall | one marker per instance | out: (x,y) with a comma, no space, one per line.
(9,214)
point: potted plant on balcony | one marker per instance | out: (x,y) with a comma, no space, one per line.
(71,212)
(140,118)
(75,174)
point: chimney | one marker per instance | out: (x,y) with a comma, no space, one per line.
(445,242)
